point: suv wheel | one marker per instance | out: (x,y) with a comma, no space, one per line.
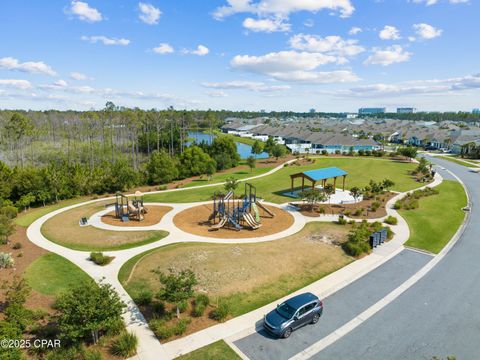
(315,318)
(287,333)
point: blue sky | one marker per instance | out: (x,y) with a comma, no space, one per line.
(240,54)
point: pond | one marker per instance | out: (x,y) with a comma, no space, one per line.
(243,150)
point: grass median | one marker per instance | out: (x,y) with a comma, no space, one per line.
(437,218)
(218,350)
(52,274)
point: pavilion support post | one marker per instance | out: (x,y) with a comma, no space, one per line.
(344,176)
(335,185)
(291,188)
(303,183)
(313,185)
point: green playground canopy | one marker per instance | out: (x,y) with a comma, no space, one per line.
(322,175)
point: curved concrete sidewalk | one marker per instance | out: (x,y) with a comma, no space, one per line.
(149,347)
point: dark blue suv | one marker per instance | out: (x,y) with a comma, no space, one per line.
(295,312)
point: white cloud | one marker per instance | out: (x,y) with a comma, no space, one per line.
(59,84)
(84,12)
(355,30)
(426,31)
(318,77)
(276,24)
(163,48)
(149,14)
(309,23)
(201,50)
(245,85)
(389,33)
(331,45)
(387,56)
(19,84)
(282,61)
(419,87)
(79,76)
(106,40)
(38,67)
(283,7)
(433,2)
(292,66)
(217,94)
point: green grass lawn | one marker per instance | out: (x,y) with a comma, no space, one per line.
(52,274)
(221,177)
(437,219)
(26,219)
(217,351)
(360,170)
(457,161)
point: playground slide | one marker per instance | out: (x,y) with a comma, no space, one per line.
(257,213)
(220,224)
(264,208)
(251,221)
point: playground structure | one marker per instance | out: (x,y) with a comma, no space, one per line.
(127,209)
(237,213)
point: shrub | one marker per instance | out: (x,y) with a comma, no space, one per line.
(337,152)
(20,254)
(125,345)
(321,210)
(182,305)
(202,299)
(342,221)
(161,330)
(356,249)
(17,246)
(181,326)
(63,354)
(144,297)
(391,220)
(375,205)
(6,261)
(358,212)
(324,152)
(221,312)
(159,308)
(198,310)
(92,355)
(361,152)
(162,187)
(115,328)
(100,259)
(390,233)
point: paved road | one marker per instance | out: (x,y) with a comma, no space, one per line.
(340,307)
(439,315)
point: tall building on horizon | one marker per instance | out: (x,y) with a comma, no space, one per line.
(406,110)
(371,111)
(476,111)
